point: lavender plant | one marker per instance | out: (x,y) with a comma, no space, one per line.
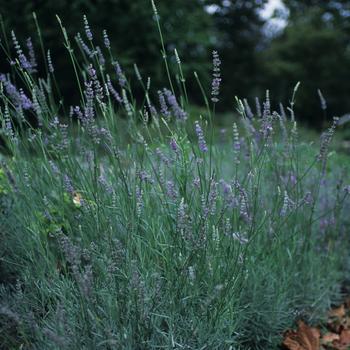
(131,227)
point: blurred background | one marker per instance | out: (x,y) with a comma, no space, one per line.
(263,44)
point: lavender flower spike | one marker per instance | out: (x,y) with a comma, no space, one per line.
(87,29)
(201,140)
(106,40)
(215,88)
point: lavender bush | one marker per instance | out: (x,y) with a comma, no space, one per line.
(130,224)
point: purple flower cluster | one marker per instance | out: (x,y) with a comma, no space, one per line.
(163,106)
(68,186)
(98,90)
(18,97)
(171,190)
(106,40)
(174,146)
(113,91)
(215,88)
(32,58)
(120,75)
(25,64)
(201,140)
(87,29)
(177,111)
(82,44)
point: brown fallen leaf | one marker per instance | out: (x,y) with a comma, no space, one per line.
(305,338)
(343,343)
(329,338)
(338,312)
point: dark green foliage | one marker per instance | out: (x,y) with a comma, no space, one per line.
(130,25)
(313,49)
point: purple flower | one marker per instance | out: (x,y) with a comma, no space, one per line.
(104,183)
(170,190)
(120,75)
(32,57)
(113,91)
(67,182)
(101,58)
(163,106)
(215,88)
(25,64)
(26,103)
(85,48)
(87,29)
(162,156)
(144,177)
(19,99)
(106,41)
(178,112)
(173,145)
(201,141)
(98,90)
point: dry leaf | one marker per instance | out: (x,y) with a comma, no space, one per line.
(344,340)
(329,338)
(305,338)
(338,312)
(77,199)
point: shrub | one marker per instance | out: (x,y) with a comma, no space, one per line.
(132,227)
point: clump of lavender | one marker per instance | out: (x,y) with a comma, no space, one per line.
(201,140)
(215,88)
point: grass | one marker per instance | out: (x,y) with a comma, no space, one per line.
(128,226)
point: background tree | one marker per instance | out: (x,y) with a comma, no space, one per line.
(313,49)
(130,24)
(239,33)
